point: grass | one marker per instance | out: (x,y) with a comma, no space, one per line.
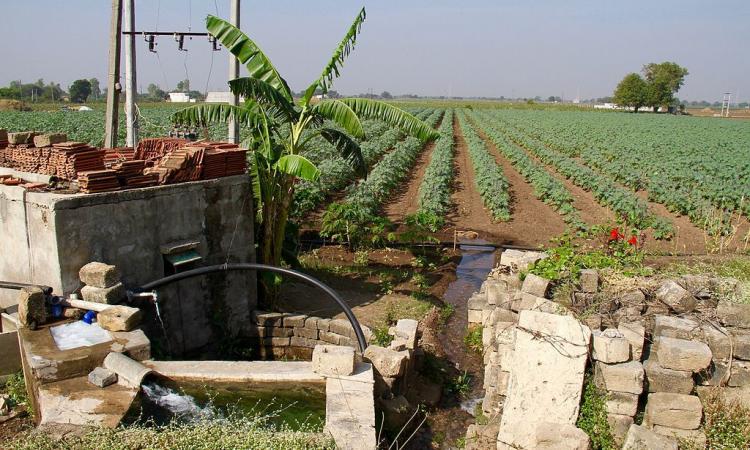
(726,423)
(15,388)
(592,418)
(381,336)
(473,339)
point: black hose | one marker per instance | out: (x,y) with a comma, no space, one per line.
(18,286)
(253,266)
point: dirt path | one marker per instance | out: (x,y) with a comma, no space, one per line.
(406,200)
(532,221)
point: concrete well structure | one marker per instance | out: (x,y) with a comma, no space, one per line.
(47,237)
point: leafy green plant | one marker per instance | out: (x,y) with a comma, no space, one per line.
(15,387)
(435,189)
(592,418)
(361,257)
(461,384)
(473,339)
(381,336)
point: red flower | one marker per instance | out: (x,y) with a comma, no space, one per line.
(614,234)
(633,240)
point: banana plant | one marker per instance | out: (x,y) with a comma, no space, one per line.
(280,126)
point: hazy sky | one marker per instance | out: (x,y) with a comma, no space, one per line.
(426,47)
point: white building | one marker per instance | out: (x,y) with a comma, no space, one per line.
(220,97)
(180,97)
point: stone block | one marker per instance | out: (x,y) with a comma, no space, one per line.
(46,140)
(405,331)
(32,307)
(673,410)
(641,438)
(555,436)
(24,137)
(677,298)
(488,337)
(610,346)
(589,280)
(475,316)
(268,319)
(497,293)
(307,333)
(499,315)
(297,341)
(333,360)
(675,327)
(661,379)
(593,321)
(342,327)
(276,341)
(717,338)
(387,362)
(119,318)
(294,321)
(695,437)
(623,377)
(99,275)
(635,333)
(278,332)
(331,338)
(312,323)
(734,314)
(618,426)
(681,354)
(622,403)
(550,356)
(324,324)
(111,295)
(478,302)
(535,285)
(505,334)
(519,260)
(741,340)
(102,377)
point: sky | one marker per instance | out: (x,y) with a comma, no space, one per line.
(426,47)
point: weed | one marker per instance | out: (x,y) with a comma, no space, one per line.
(473,339)
(726,423)
(15,387)
(361,257)
(461,442)
(479,417)
(446,311)
(593,417)
(461,385)
(381,336)
(438,437)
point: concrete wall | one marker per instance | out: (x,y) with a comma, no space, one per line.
(45,238)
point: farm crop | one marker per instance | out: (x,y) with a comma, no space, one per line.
(435,189)
(488,176)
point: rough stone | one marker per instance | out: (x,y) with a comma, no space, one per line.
(594,322)
(535,285)
(622,377)
(297,320)
(312,323)
(307,333)
(333,360)
(102,377)
(717,373)
(324,324)
(589,280)
(550,356)
(619,425)
(387,362)
(675,327)
(681,354)
(24,137)
(641,438)
(673,410)
(677,298)
(696,437)
(268,319)
(554,436)
(32,309)
(405,331)
(610,346)
(717,338)
(46,140)
(741,340)
(331,338)
(100,275)
(119,318)
(635,333)
(661,379)
(519,260)
(500,315)
(622,403)
(111,295)
(734,314)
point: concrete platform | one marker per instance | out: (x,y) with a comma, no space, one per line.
(238,371)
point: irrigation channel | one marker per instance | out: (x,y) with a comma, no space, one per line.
(477,260)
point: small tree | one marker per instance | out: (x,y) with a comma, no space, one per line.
(631,91)
(155,93)
(80,91)
(183,86)
(96,89)
(664,80)
(386,95)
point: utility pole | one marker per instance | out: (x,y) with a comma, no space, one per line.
(234,72)
(113,80)
(130,71)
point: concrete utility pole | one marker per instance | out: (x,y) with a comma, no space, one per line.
(113,80)
(234,72)
(130,75)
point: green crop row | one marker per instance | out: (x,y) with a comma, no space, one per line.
(488,176)
(435,189)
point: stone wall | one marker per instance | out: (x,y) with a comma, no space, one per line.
(52,236)
(652,348)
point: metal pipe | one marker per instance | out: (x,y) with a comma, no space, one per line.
(18,286)
(255,267)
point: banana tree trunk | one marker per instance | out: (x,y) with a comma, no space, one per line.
(275,216)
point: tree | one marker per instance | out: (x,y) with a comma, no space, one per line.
(183,86)
(280,128)
(386,95)
(79,91)
(154,92)
(96,89)
(664,80)
(631,91)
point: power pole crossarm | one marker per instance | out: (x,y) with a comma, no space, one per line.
(113,76)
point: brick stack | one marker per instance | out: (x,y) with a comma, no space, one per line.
(70,158)
(179,166)
(156,148)
(98,181)
(214,164)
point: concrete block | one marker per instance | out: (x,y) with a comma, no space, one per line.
(695,437)
(478,302)
(733,314)
(32,308)
(331,338)
(661,379)
(307,333)
(500,315)
(498,294)
(111,295)
(610,346)
(297,341)
(554,436)
(342,327)
(623,377)
(102,377)
(324,324)
(589,280)
(312,323)
(635,333)
(99,275)
(405,332)
(268,319)
(550,356)
(535,285)
(622,403)
(46,140)
(618,426)
(119,318)
(677,298)
(641,438)
(387,362)
(681,354)
(276,332)
(675,327)
(673,410)
(293,321)
(333,360)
